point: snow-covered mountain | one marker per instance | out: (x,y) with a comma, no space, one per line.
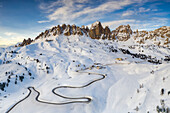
(70,69)
(123,33)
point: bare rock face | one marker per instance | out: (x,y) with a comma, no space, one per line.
(59,31)
(46,33)
(25,42)
(36,38)
(123,32)
(107,30)
(56,30)
(53,29)
(79,32)
(39,36)
(162,32)
(107,33)
(113,37)
(74,30)
(63,26)
(96,30)
(159,36)
(92,33)
(168,35)
(67,31)
(85,30)
(167,41)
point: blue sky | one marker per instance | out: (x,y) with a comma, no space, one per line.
(21,19)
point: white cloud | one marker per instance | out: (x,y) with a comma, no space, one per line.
(85,11)
(7,41)
(142,10)
(151,24)
(11,38)
(116,23)
(136,11)
(66,11)
(154,9)
(10,33)
(43,21)
(128,13)
(0,37)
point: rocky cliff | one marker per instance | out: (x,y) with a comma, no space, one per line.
(26,42)
(159,36)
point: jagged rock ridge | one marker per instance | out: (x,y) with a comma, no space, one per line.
(26,42)
(97,31)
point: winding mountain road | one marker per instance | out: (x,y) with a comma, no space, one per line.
(84,99)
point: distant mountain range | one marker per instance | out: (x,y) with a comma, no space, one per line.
(160,36)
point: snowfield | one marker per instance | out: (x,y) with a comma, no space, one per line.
(106,80)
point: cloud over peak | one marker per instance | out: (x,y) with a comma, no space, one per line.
(67,11)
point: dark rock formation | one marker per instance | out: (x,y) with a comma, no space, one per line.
(59,31)
(123,32)
(79,32)
(67,31)
(85,30)
(74,30)
(46,33)
(63,26)
(107,33)
(25,42)
(96,30)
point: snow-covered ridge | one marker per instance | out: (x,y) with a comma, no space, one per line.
(110,76)
(124,33)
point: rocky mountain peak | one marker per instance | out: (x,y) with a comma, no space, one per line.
(97,31)
(96,24)
(163,31)
(123,32)
(124,29)
(26,42)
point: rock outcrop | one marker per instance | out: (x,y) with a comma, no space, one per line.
(26,42)
(97,31)
(67,31)
(79,31)
(123,32)
(74,29)
(159,36)
(107,33)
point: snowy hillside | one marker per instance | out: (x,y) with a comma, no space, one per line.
(78,74)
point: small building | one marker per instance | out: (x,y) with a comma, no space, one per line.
(98,67)
(119,59)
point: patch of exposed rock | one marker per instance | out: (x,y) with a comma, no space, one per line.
(159,36)
(25,42)
(97,31)
(123,32)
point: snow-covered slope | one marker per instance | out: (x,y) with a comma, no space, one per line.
(109,76)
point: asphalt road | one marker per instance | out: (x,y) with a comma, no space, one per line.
(84,99)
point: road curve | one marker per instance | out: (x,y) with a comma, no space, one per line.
(19,101)
(85,99)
